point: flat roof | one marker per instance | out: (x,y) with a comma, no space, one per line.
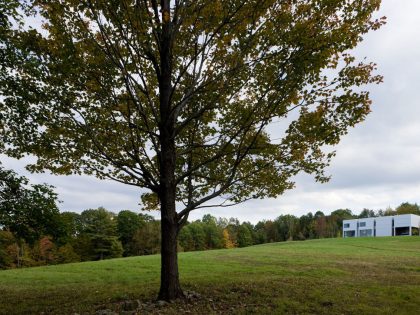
(386,216)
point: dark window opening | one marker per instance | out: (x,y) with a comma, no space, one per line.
(346,225)
(350,233)
(402,231)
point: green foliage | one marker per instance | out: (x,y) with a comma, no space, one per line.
(408,208)
(28,211)
(307,226)
(367,213)
(260,235)
(185,240)
(198,235)
(105,247)
(83,247)
(146,240)
(66,254)
(244,236)
(116,249)
(287,227)
(128,223)
(214,234)
(344,213)
(71,225)
(272,231)
(100,226)
(7,249)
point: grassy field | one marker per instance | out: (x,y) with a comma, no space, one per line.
(330,276)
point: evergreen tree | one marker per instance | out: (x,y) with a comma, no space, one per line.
(128,223)
(100,226)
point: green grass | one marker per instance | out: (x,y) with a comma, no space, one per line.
(330,276)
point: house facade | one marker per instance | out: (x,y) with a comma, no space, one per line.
(396,225)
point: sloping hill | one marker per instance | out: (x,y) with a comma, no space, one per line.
(330,276)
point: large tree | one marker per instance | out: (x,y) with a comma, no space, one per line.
(193,100)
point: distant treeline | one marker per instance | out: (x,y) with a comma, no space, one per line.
(33,232)
(97,234)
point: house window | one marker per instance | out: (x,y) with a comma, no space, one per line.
(402,230)
(346,225)
(362,224)
(349,233)
(367,232)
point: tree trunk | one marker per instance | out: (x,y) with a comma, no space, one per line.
(169,286)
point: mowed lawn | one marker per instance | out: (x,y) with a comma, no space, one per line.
(329,276)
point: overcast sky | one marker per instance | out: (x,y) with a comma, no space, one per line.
(377,163)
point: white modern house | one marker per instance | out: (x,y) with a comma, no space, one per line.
(396,225)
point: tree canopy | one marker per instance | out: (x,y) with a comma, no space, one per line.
(82,95)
